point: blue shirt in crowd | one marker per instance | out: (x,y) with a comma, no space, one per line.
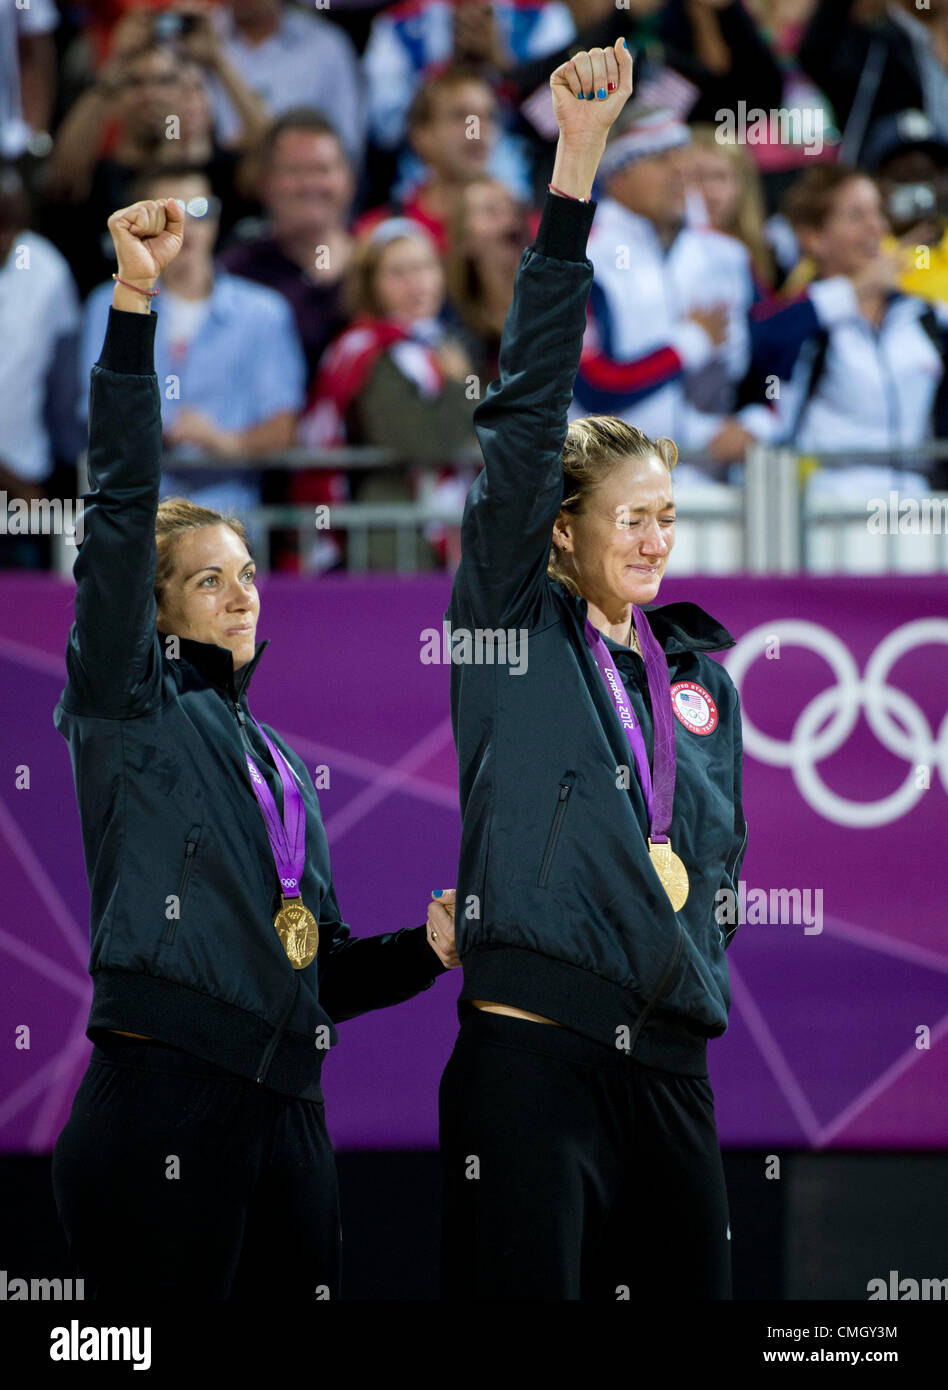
(244,364)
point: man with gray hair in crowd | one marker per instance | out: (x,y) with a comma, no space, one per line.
(306,185)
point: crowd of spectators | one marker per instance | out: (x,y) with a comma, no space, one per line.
(770,247)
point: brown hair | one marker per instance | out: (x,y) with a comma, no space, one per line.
(422,109)
(750,213)
(298,118)
(176,516)
(462,275)
(808,201)
(593,448)
(358,292)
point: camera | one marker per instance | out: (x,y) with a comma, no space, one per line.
(912,202)
(168,24)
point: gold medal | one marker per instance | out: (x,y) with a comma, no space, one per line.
(671,872)
(297,930)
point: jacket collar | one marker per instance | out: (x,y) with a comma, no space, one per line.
(216,664)
(679,627)
(684,627)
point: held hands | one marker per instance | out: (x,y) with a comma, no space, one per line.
(193,427)
(453,361)
(731,442)
(440,928)
(477,38)
(714,321)
(603,78)
(880,275)
(147,236)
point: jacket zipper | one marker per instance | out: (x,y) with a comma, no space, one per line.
(271,1046)
(243,728)
(554,834)
(659,989)
(190,849)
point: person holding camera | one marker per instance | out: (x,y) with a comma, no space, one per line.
(153,100)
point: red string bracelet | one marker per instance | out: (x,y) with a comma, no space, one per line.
(566,195)
(138,288)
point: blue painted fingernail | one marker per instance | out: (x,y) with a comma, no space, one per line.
(591,96)
(601,93)
(437,892)
(580,95)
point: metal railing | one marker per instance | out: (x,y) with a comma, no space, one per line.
(771,523)
(794,527)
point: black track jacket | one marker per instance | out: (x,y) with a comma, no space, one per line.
(559,910)
(166,803)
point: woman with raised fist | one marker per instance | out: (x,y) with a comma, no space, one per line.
(602,831)
(196,1160)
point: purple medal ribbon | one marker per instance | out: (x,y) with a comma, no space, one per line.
(287,841)
(659,791)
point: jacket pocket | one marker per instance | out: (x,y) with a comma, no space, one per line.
(562,800)
(190,849)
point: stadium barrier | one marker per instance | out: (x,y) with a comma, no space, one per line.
(770,523)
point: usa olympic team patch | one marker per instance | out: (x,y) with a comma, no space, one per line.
(694,707)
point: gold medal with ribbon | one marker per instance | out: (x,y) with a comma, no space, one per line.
(657,781)
(298,931)
(672,873)
(295,925)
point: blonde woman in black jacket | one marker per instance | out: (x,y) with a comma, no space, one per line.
(196,1159)
(603,832)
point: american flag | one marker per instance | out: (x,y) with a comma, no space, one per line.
(668,90)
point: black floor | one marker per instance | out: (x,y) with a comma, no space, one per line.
(821,1230)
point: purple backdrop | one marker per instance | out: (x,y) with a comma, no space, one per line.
(822,1048)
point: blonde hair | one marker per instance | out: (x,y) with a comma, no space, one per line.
(750,215)
(594,447)
(176,516)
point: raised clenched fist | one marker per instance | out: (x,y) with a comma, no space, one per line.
(147,237)
(590,89)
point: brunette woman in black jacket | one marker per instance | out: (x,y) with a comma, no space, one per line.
(196,1161)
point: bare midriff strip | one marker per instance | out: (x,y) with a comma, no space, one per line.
(124,1034)
(491,1008)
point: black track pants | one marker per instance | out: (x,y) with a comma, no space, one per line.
(250,1208)
(573,1172)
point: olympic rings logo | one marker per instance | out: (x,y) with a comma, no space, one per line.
(840,705)
(288,882)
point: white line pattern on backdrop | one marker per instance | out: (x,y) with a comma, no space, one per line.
(883,705)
